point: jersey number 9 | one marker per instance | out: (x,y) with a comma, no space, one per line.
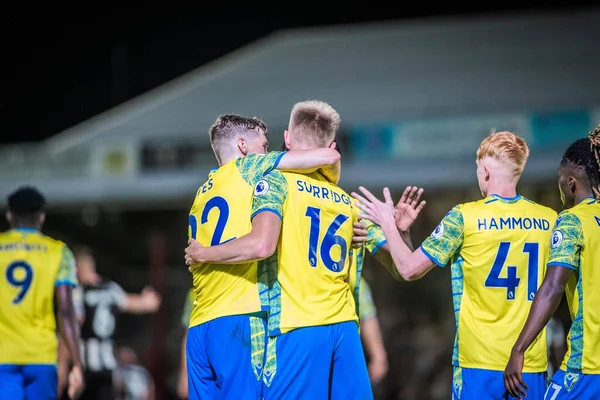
(20,275)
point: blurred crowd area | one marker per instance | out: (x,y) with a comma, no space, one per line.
(146,247)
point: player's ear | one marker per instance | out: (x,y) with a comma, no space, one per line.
(42,218)
(242,146)
(9,217)
(286,139)
(572,184)
(488,171)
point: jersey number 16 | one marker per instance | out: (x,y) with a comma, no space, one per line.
(329,240)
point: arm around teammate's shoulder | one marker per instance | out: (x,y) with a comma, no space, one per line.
(267,209)
(308,159)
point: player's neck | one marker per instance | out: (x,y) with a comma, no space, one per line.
(25,227)
(505,190)
(230,157)
(579,197)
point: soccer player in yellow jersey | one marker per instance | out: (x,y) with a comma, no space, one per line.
(574,265)
(226,339)
(498,251)
(314,349)
(36,271)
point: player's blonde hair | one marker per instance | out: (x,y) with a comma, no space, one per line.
(314,121)
(507,148)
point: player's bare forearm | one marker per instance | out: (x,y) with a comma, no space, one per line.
(405,235)
(384,257)
(308,160)
(410,265)
(67,322)
(544,305)
(143,303)
(62,366)
(250,247)
(259,244)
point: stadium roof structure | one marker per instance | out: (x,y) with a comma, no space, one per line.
(433,69)
(374,72)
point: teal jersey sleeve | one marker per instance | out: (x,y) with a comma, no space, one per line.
(254,166)
(375,236)
(269,194)
(187,309)
(446,239)
(566,242)
(367,306)
(66,270)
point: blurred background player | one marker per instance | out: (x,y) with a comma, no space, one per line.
(131,380)
(573,265)
(182,378)
(370,333)
(233,297)
(103,301)
(38,272)
(498,250)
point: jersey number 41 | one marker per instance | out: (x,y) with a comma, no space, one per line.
(511,282)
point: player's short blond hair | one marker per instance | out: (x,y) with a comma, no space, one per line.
(507,148)
(314,121)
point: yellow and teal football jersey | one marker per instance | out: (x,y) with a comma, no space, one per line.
(32,266)
(221,212)
(576,244)
(310,269)
(498,250)
(375,239)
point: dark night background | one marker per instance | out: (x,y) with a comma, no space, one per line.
(60,68)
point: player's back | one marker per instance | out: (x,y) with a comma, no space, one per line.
(30,264)
(495,277)
(582,290)
(222,212)
(312,256)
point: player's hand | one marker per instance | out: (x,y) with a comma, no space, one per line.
(375,210)
(360,235)
(191,253)
(513,378)
(408,208)
(76,383)
(378,369)
(151,298)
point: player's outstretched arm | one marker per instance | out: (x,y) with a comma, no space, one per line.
(411,265)
(407,211)
(69,332)
(544,305)
(258,244)
(148,301)
(306,161)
